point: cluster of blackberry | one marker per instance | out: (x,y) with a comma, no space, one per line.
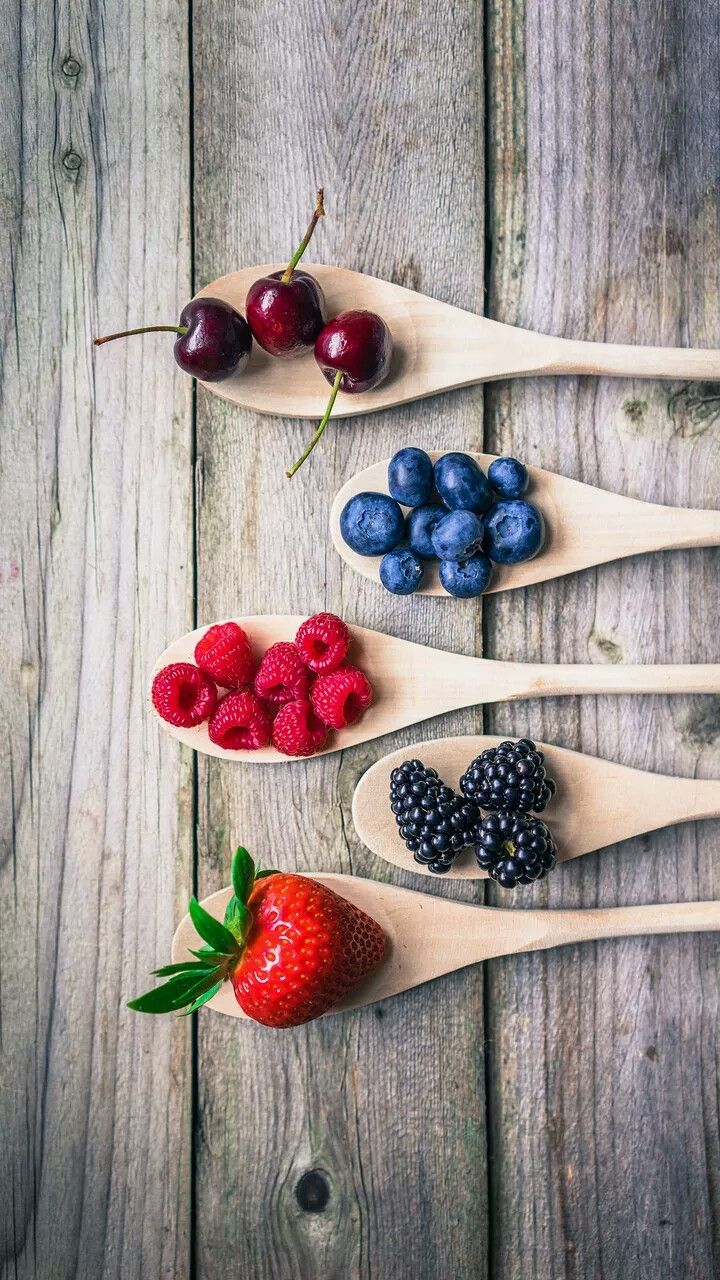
(434,822)
(509,782)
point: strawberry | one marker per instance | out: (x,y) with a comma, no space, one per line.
(290,947)
(224,653)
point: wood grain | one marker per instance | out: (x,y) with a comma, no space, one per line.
(604,221)
(383,105)
(95,566)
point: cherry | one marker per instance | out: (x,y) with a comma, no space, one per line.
(354,352)
(286,310)
(213,339)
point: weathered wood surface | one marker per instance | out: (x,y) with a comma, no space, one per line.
(602,1068)
(557,1115)
(95,571)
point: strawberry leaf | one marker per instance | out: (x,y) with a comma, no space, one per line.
(263,875)
(189,966)
(211,931)
(173,994)
(243,875)
(237,919)
(201,1000)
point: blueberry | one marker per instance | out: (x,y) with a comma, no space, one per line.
(461,484)
(401,571)
(458,535)
(410,477)
(508,477)
(466,578)
(372,523)
(420,524)
(514,531)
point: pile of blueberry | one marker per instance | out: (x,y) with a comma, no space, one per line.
(458,515)
(509,782)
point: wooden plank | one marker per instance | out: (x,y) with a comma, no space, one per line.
(384,105)
(95,573)
(604,220)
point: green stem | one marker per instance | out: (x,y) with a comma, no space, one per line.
(148,328)
(325,419)
(317,215)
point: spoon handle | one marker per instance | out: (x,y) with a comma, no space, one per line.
(527,680)
(538,930)
(619,361)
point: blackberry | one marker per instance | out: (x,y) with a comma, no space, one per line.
(433,820)
(514,848)
(511,776)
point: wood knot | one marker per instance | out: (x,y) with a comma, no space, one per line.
(312,1191)
(71,69)
(72,163)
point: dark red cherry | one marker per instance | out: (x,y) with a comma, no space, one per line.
(354,352)
(286,310)
(358,345)
(213,340)
(285,316)
(216,340)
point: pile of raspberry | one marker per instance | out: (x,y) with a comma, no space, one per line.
(292,698)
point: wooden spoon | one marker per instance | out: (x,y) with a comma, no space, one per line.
(598,802)
(429,936)
(413,682)
(585,526)
(437,347)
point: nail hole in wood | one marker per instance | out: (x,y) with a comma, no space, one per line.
(312,1191)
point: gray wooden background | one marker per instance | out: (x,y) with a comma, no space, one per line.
(557,161)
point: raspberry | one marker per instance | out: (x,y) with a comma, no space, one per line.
(282,676)
(224,653)
(183,695)
(297,731)
(240,723)
(323,642)
(340,697)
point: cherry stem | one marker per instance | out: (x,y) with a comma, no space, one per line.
(149,328)
(318,214)
(325,419)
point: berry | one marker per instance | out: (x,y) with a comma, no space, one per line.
(457,536)
(322,641)
(401,571)
(240,723)
(297,730)
(419,528)
(514,532)
(514,848)
(282,675)
(433,821)
(511,776)
(340,697)
(461,484)
(508,477)
(224,653)
(466,578)
(290,947)
(183,695)
(372,523)
(410,477)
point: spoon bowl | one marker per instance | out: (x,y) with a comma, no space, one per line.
(585,526)
(598,802)
(412,682)
(436,347)
(429,936)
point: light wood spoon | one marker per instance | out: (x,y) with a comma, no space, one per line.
(598,803)
(436,347)
(585,526)
(413,682)
(429,936)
